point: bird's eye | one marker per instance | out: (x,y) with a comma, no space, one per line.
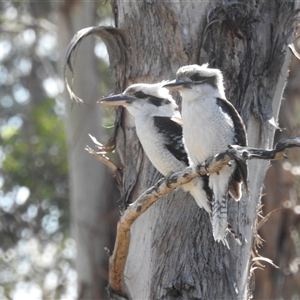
(140,95)
(196,77)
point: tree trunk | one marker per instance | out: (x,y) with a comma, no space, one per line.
(282,198)
(92,188)
(172,252)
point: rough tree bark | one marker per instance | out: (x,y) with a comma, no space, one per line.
(172,253)
(92,188)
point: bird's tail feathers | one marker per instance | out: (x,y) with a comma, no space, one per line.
(219,218)
(230,231)
(195,187)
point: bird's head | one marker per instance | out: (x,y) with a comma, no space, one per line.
(197,79)
(144,99)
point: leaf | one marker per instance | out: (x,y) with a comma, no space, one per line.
(114,40)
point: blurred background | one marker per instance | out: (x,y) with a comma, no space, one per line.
(37,249)
(40,137)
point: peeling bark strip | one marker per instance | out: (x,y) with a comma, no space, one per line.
(213,165)
(114,40)
(101,156)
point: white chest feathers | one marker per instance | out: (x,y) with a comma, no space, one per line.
(153,143)
(207,130)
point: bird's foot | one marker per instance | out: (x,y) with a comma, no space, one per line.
(169,179)
(199,167)
(207,164)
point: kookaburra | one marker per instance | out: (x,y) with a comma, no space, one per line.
(210,124)
(159,129)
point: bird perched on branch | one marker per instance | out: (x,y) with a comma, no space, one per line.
(210,124)
(159,129)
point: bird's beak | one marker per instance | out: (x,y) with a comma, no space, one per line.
(177,85)
(117,100)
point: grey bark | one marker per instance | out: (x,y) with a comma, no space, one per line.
(92,188)
(172,252)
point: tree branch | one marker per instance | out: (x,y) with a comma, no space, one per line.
(246,153)
(214,164)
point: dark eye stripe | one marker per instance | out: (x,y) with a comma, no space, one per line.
(140,95)
(196,77)
(152,99)
(208,80)
(156,101)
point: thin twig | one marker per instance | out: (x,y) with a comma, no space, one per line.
(104,159)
